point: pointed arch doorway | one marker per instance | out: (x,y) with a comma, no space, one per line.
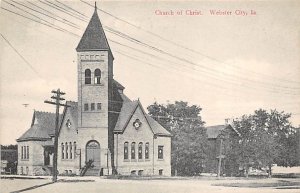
(93,153)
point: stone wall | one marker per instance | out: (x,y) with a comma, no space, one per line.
(144,135)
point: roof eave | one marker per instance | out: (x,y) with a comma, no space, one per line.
(33,139)
(163,135)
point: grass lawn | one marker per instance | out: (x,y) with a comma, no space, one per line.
(275,184)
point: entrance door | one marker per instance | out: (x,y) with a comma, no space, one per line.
(93,153)
(48,151)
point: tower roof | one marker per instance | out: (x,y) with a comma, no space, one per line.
(94,37)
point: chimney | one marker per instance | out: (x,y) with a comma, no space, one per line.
(227,121)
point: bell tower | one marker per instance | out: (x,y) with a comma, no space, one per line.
(95,77)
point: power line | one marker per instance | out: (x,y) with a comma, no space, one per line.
(184,47)
(30,66)
(60,9)
(180,72)
(46,22)
(184,60)
(154,56)
(45,14)
(51,13)
(71,8)
(139,41)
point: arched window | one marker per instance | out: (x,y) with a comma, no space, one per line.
(97,76)
(133,150)
(140,150)
(67,153)
(126,150)
(62,151)
(71,153)
(147,150)
(87,76)
(75,149)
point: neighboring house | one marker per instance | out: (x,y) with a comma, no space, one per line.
(215,134)
(9,157)
(3,166)
(104,126)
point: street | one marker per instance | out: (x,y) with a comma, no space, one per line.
(154,186)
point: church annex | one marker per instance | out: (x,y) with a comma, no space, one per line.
(104,126)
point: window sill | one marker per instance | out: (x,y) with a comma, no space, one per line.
(141,160)
(126,160)
(67,159)
(101,84)
(147,160)
(160,160)
(98,111)
(24,159)
(133,160)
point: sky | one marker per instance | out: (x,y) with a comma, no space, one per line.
(232,63)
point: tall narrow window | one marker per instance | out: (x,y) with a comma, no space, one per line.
(86,107)
(27,152)
(71,153)
(22,154)
(99,106)
(75,149)
(133,150)
(92,106)
(126,150)
(62,151)
(160,152)
(67,150)
(97,76)
(140,150)
(87,76)
(147,150)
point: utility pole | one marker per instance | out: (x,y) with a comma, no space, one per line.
(57,93)
(221,137)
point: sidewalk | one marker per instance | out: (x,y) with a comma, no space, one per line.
(59,178)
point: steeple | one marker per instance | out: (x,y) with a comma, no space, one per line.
(94,37)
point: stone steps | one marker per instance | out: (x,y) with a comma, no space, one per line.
(92,172)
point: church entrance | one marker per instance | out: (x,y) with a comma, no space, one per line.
(93,153)
(48,154)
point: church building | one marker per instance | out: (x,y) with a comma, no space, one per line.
(104,127)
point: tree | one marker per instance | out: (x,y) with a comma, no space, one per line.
(266,138)
(10,154)
(189,142)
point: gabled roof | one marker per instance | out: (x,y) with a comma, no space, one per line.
(157,128)
(42,126)
(94,37)
(73,111)
(214,131)
(127,111)
(118,85)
